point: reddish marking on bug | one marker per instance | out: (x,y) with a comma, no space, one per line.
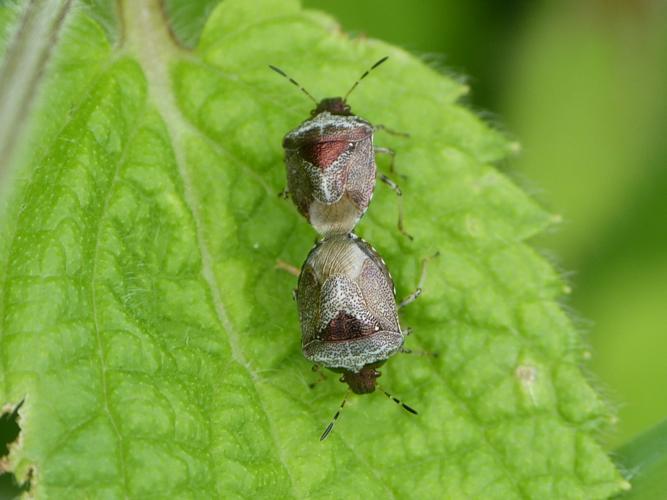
(323,154)
(329,134)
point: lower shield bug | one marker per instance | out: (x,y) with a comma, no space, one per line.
(348,312)
(330,162)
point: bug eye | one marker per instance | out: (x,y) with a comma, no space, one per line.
(351,144)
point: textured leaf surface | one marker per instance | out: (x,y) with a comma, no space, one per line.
(157,347)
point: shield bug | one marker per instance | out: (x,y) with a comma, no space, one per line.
(348,313)
(330,163)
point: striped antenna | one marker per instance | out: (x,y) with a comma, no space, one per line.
(294,82)
(364,76)
(398,402)
(329,428)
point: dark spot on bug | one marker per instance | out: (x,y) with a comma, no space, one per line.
(346,327)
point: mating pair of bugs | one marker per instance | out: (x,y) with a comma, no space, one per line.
(345,294)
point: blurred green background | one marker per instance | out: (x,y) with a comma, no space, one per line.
(582,85)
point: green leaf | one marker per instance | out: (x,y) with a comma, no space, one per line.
(157,347)
(645,458)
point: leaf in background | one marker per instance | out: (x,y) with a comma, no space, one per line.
(585,96)
(645,459)
(156,346)
(187,19)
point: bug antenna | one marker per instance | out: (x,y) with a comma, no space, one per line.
(398,402)
(329,428)
(294,82)
(364,76)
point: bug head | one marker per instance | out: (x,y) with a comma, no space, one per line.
(334,105)
(362,382)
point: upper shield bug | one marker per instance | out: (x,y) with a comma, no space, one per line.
(348,312)
(330,163)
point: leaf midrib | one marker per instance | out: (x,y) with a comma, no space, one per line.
(142,43)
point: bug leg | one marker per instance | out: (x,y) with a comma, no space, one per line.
(392,157)
(322,377)
(410,298)
(390,131)
(284,266)
(393,186)
(420,286)
(284,194)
